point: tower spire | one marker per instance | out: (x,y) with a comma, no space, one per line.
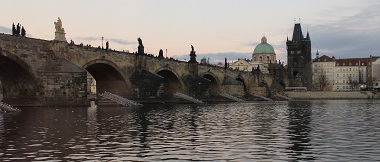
(317,54)
(297,33)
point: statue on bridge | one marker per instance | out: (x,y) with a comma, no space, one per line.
(107,45)
(161,54)
(58,26)
(13,29)
(18,29)
(193,55)
(23,31)
(140,48)
(59,31)
(225,63)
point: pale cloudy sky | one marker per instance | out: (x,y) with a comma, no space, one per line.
(216,28)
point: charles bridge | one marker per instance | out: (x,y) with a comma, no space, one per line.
(56,73)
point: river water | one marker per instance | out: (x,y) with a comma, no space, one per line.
(331,130)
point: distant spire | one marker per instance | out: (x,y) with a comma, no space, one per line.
(317,53)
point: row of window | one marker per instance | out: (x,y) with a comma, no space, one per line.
(347,69)
(343,87)
(344,75)
(323,65)
(350,64)
(323,70)
(260,58)
(345,81)
(293,52)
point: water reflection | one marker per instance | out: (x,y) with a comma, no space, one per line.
(264,131)
(92,123)
(300,113)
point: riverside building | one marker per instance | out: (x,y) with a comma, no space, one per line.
(331,74)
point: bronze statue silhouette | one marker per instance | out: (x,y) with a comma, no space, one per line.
(13,29)
(161,54)
(140,48)
(193,55)
(18,29)
(23,31)
(140,41)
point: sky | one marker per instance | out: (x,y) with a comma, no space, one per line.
(216,28)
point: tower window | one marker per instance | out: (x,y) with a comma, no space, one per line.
(291,52)
(299,52)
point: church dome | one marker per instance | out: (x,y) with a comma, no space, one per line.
(264,47)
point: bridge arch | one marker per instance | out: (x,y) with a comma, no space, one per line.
(215,88)
(242,80)
(19,83)
(172,82)
(109,77)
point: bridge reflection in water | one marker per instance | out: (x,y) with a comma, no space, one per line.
(337,130)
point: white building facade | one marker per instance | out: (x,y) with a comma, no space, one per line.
(323,73)
(248,65)
(330,74)
(350,73)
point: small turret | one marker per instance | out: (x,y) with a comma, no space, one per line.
(307,36)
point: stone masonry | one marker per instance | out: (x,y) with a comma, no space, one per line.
(53,73)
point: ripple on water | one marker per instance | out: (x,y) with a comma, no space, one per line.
(264,131)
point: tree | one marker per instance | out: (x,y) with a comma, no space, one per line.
(322,81)
(353,83)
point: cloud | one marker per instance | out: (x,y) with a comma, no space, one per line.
(122,41)
(216,57)
(112,40)
(4,29)
(357,35)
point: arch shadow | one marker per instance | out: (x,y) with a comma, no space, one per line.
(172,82)
(19,82)
(109,77)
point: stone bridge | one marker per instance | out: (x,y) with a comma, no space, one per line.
(53,73)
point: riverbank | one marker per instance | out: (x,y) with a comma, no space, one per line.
(333,95)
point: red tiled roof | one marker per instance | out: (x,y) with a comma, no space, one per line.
(324,58)
(352,62)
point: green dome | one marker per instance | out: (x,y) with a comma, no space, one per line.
(264,47)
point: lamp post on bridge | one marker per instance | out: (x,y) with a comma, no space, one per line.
(102,42)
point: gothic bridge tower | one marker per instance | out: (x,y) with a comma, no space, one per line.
(299,59)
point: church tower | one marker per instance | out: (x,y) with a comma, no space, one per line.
(299,59)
